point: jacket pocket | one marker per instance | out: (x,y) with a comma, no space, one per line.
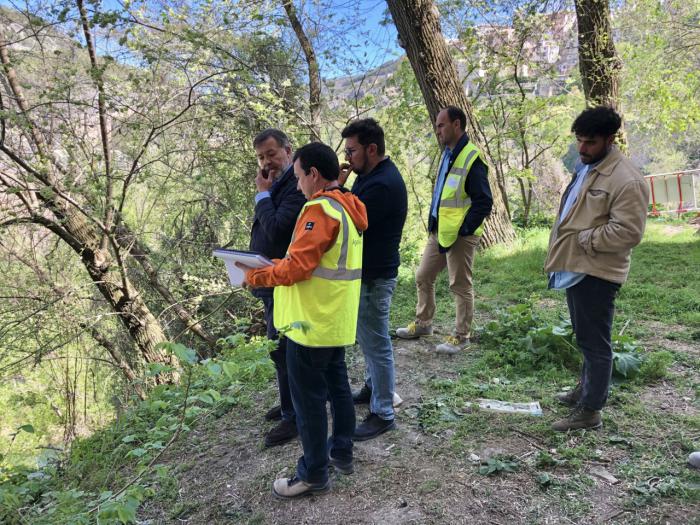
(595,205)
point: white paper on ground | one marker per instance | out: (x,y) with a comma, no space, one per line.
(505,407)
(231,257)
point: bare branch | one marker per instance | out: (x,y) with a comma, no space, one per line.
(104,131)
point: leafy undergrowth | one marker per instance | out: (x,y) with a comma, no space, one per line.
(525,342)
(106,477)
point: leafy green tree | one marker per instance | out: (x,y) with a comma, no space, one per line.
(659,45)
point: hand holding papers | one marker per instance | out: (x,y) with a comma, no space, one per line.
(236,275)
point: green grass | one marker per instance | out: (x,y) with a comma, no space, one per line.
(663,284)
(663,290)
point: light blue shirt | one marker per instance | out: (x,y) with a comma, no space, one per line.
(261,195)
(442,173)
(563,280)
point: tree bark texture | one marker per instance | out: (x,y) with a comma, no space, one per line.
(313,69)
(418,25)
(597,58)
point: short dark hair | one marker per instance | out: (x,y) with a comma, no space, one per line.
(281,138)
(320,156)
(598,121)
(454,113)
(368,131)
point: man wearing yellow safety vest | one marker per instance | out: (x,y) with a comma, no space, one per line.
(461,201)
(317,296)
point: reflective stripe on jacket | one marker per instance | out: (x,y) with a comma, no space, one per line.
(454,199)
(326,304)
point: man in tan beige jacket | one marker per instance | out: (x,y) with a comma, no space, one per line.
(601,218)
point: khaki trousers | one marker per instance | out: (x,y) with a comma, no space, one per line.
(458,259)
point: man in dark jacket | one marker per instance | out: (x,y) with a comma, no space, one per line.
(277,205)
(380,187)
(461,202)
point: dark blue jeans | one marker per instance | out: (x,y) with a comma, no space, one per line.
(317,375)
(279,357)
(592,308)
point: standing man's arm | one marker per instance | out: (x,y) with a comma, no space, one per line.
(278,221)
(625,228)
(477,186)
(315,234)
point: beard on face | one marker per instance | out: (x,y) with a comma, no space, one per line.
(590,159)
(360,170)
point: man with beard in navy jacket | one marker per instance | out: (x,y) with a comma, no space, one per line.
(381,189)
(277,205)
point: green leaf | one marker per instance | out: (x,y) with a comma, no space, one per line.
(206,399)
(544,479)
(27,428)
(126,513)
(626,364)
(184,354)
(155,369)
(560,330)
(300,325)
(214,369)
(231,369)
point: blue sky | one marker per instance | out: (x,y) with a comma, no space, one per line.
(350,31)
(360,41)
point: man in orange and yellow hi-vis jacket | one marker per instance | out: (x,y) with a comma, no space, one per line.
(317,285)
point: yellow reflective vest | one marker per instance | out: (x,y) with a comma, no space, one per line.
(454,199)
(327,304)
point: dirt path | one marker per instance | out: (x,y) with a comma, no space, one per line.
(408,476)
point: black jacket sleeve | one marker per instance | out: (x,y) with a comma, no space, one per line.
(277,222)
(477,186)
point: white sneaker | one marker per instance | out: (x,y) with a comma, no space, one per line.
(288,488)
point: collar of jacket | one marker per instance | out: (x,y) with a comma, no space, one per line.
(463,140)
(289,172)
(377,168)
(609,162)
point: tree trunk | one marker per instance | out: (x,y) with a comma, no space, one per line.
(597,59)
(418,25)
(115,287)
(314,72)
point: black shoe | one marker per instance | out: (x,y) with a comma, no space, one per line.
(372,426)
(344,467)
(362,396)
(274,414)
(281,434)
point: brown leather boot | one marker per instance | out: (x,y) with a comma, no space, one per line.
(570,398)
(580,418)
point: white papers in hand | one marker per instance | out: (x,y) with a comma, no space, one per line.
(231,257)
